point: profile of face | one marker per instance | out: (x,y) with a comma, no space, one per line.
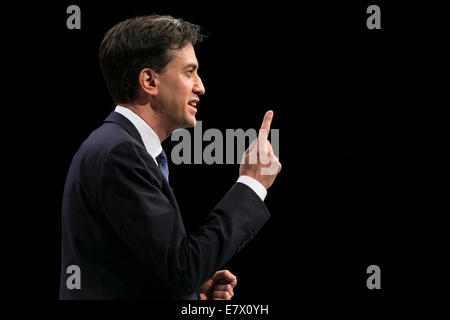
(178,89)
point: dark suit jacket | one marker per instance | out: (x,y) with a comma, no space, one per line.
(121,223)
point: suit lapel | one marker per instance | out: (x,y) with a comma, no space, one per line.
(116,117)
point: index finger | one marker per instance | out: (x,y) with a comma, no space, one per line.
(265,126)
(230,282)
(223,274)
(223,277)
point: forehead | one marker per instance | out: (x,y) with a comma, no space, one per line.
(184,56)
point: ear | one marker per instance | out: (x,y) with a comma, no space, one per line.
(148,81)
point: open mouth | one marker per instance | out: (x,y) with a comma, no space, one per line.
(193,106)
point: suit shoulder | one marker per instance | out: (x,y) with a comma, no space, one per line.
(107,137)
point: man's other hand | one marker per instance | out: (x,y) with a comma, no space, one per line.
(219,287)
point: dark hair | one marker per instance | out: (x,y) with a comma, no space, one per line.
(141,42)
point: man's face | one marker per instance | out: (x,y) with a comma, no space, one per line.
(179,89)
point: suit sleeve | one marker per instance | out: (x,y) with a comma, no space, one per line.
(145,219)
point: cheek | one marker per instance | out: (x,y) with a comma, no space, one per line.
(177,92)
(184,91)
(186,87)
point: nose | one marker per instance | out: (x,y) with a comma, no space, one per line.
(199,89)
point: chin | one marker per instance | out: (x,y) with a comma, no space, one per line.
(191,121)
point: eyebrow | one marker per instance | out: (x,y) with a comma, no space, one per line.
(191,65)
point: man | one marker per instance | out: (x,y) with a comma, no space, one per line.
(121,224)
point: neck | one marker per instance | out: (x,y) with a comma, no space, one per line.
(150,116)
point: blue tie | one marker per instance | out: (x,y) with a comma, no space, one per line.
(162,164)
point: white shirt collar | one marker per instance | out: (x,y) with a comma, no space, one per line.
(149,137)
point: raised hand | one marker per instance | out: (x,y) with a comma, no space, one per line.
(259,161)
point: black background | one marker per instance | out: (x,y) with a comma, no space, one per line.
(364,139)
